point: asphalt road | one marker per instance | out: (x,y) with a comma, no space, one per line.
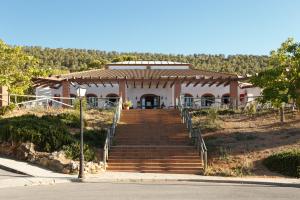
(155,190)
(8,175)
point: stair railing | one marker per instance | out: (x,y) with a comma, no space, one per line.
(194,134)
(111,132)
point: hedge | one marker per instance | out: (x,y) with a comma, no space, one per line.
(48,132)
(286,163)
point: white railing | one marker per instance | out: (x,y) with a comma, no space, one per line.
(111,132)
(32,101)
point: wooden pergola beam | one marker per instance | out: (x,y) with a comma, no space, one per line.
(221,82)
(199,81)
(101,82)
(165,84)
(175,79)
(227,83)
(188,83)
(150,82)
(208,80)
(157,84)
(183,80)
(215,81)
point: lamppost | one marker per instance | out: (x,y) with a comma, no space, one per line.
(81,93)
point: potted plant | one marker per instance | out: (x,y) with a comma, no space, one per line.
(127,105)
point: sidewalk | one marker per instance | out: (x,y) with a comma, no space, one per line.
(40,176)
(35,175)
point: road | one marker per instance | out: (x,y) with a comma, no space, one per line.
(154,190)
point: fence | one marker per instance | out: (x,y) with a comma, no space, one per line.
(33,101)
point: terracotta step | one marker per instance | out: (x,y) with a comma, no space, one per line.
(153,141)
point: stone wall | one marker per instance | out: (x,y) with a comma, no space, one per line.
(56,161)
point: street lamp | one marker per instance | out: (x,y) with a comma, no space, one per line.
(81,93)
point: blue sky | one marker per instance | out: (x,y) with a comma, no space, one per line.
(161,26)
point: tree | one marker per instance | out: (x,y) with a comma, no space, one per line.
(281,81)
(17,68)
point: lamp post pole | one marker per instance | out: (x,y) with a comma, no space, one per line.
(81,159)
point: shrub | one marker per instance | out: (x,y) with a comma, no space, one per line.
(5,109)
(94,138)
(212,115)
(73,151)
(200,112)
(77,104)
(48,133)
(71,119)
(226,112)
(287,163)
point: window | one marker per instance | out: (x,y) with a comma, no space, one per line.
(207,100)
(92,100)
(188,100)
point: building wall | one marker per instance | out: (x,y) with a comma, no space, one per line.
(166,94)
(198,90)
(251,92)
(99,91)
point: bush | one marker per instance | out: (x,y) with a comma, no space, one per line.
(287,163)
(71,119)
(94,138)
(77,104)
(73,151)
(5,109)
(48,133)
(226,112)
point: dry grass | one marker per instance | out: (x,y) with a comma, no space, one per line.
(96,118)
(240,143)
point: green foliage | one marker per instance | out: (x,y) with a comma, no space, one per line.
(48,133)
(71,119)
(82,59)
(281,79)
(287,163)
(17,68)
(94,138)
(77,104)
(127,104)
(73,151)
(206,112)
(212,115)
(5,109)
(251,108)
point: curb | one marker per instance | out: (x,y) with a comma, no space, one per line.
(295,184)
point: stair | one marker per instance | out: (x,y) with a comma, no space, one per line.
(153,141)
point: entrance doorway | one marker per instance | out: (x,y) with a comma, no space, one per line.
(150,101)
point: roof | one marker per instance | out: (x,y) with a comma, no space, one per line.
(145,74)
(149,62)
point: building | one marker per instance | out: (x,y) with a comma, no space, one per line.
(150,84)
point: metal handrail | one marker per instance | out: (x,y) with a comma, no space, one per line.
(111,132)
(194,134)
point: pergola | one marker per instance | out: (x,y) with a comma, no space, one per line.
(143,78)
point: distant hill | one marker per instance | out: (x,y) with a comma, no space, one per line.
(82,59)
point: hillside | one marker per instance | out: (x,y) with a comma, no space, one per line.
(82,59)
